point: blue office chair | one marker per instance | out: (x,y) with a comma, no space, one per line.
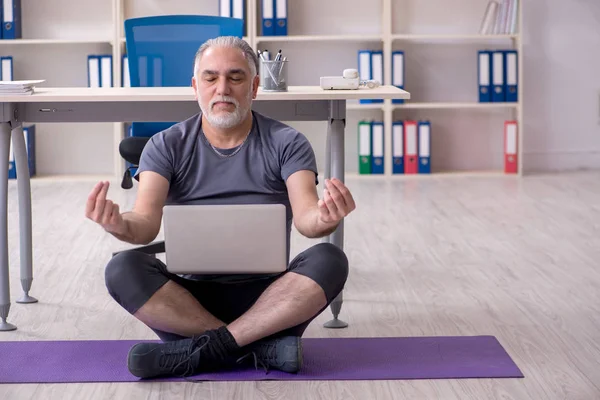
(160,52)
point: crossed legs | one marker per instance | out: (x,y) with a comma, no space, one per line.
(176,308)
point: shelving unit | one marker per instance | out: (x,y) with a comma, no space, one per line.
(324,43)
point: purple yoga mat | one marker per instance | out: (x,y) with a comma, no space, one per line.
(390,358)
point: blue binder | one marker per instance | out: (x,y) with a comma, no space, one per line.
(398,73)
(498,76)
(424,149)
(233,9)
(364,69)
(378,147)
(398,147)
(512,76)
(93,63)
(281,7)
(484,76)
(29,134)
(6,68)
(377,69)
(11,19)
(268,17)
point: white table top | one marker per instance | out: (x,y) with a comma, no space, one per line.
(80,94)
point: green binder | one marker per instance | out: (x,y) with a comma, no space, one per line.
(364,147)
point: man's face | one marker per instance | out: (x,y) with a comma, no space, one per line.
(224,87)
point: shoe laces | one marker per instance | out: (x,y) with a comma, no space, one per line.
(175,357)
(257,361)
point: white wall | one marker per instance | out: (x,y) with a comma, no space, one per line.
(562,91)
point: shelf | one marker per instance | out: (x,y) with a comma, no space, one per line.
(433,175)
(320,38)
(455,105)
(53,41)
(464,37)
(246,38)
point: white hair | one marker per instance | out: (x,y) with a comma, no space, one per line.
(231,42)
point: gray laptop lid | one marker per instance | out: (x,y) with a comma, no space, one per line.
(225,239)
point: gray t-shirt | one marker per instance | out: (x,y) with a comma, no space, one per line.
(255,174)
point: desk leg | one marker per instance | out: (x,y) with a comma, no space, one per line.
(24,188)
(336,163)
(4,275)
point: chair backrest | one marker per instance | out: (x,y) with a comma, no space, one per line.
(161,49)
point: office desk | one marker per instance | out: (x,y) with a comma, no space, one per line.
(299,103)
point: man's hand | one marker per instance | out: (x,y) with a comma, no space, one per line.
(104,212)
(337,202)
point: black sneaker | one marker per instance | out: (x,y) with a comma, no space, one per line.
(177,358)
(283,353)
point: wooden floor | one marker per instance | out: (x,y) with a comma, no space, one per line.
(434,256)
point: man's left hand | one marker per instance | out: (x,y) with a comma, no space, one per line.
(337,201)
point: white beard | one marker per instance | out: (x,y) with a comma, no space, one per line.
(226,120)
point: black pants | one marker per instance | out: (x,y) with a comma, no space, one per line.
(132,277)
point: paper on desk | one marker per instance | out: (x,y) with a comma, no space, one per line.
(19,87)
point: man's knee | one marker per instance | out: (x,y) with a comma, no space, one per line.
(130,275)
(327,265)
(333,259)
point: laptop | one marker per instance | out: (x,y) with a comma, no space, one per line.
(225,239)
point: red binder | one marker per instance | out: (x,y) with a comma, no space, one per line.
(411,151)
(511,147)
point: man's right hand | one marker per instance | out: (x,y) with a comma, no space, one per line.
(104,212)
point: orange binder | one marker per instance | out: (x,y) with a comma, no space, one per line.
(510,147)
(411,150)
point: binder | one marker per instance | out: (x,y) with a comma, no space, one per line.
(484,73)
(93,71)
(364,69)
(225,8)
(29,135)
(281,17)
(424,147)
(398,147)
(232,9)
(498,76)
(268,17)
(512,76)
(6,68)
(398,73)
(106,75)
(510,147)
(377,146)
(377,70)
(364,147)
(125,78)
(11,19)
(12,165)
(411,164)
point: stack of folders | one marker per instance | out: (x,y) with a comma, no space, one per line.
(10,13)
(498,76)
(233,9)
(6,68)
(29,133)
(500,17)
(370,67)
(411,147)
(274,17)
(100,70)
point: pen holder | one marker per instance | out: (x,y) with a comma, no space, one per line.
(273,75)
